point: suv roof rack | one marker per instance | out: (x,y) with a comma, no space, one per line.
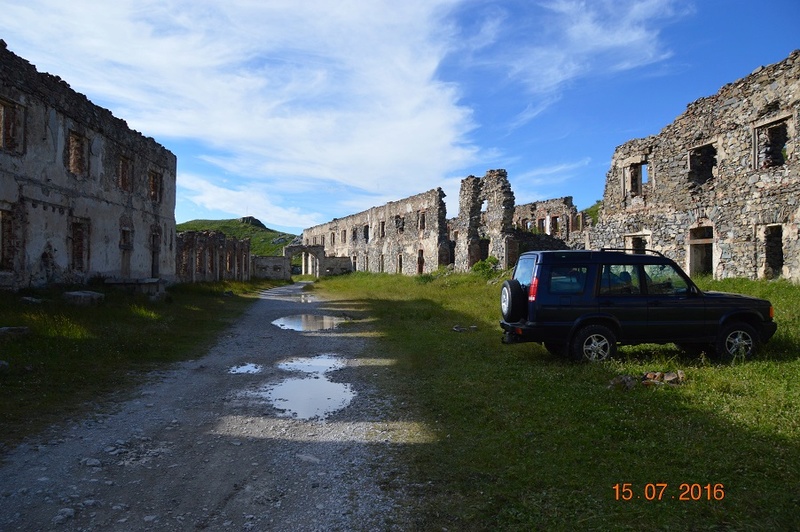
(639,251)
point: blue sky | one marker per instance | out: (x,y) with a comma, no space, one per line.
(297,112)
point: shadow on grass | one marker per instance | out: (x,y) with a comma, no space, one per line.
(529,441)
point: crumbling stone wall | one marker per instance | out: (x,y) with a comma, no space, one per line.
(717,190)
(264,267)
(556,217)
(208,256)
(484,226)
(81,194)
(408,236)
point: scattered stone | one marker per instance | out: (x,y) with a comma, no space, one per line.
(83,297)
(13,332)
(648,378)
(90,462)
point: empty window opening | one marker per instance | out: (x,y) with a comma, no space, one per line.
(6,238)
(702,163)
(383,228)
(354,235)
(381,263)
(484,246)
(399,223)
(554,225)
(639,245)
(78,154)
(80,246)
(637,178)
(541,225)
(125,174)
(420,261)
(344,236)
(773,249)
(366,233)
(11,138)
(421,220)
(156,184)
(772,141)
(701,250)
(126,248)
(400,263)
(155,254)
(333,238)
(355,263)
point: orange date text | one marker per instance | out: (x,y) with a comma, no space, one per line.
(659,491)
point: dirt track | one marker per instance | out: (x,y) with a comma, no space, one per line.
(201,446)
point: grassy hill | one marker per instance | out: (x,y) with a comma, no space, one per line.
(263,240)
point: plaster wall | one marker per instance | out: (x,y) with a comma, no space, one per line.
(81,194)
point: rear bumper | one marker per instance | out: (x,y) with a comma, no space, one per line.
(529,332)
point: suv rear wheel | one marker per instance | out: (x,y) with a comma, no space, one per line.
(736,341)
(594,343)
(512,301)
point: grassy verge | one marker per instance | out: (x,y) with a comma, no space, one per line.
(76,355)
(527,441)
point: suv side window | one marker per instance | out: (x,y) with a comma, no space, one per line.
(664,279)
(620,279)
(524,271)
(567,279)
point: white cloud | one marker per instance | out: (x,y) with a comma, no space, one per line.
(343,92)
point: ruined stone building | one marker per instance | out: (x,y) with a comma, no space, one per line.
(407,236)
(209,256)
(557,217)
(718,189)
(81,194)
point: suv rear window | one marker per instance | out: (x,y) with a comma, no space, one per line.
(524,271)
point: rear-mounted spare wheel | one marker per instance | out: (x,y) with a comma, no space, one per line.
(512,301)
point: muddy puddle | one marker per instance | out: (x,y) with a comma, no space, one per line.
(311,395)
(249,369)
(308,322)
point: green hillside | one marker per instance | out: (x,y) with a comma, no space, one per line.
(263,240)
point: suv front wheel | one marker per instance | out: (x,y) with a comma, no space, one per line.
(736,341)
(594,343)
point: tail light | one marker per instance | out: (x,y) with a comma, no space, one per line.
(533,288)
(771,312)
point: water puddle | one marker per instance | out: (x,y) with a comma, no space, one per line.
(311,397)
(308,322)
(289,293)
(248,368)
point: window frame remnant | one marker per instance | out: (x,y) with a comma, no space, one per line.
(771,143)
(125,173)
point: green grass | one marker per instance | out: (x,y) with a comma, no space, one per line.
(263,241)
(528,441)
(75,356)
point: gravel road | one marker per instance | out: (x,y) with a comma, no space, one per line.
(272,429)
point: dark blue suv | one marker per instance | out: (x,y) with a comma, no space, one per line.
(584,303)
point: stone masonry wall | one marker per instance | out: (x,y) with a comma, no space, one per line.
(718,189)
(208,256)
(407,236)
